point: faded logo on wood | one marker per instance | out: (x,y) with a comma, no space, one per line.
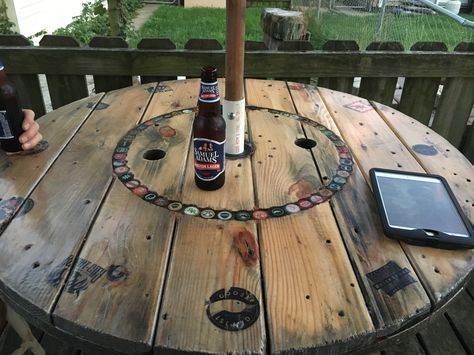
(84,274)
(390,278)
(233,320)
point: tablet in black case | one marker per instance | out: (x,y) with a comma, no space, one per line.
(420,209)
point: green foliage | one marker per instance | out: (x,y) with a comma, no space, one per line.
(94,20)
(6,26)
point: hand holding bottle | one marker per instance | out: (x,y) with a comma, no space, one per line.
(31,135)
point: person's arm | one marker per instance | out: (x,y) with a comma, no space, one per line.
(31,135)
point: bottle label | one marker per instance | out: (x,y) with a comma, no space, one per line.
(209,92)
(209,158)
(5,131)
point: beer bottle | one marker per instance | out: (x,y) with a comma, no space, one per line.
(11,115)
(209,134)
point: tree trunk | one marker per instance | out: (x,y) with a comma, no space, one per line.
(114,17)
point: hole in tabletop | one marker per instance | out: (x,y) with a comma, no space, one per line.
(308,297)
(305,143)
(28,246)
(87,202)
(328,241)
(154,154)
(341,313)
(352,285)
(437,270)
(148,237)
(36,264)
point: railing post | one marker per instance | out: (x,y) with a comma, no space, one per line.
(296,46)
(455,104)
(156,43)
(64,89)
(105,83)
(419,94)
(28,85)
(338,83)
(205,44)
(380,89)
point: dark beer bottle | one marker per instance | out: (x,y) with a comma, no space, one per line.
(209,134)
(11,115)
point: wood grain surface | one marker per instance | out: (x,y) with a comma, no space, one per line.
(137,256)
(374,144)
(206,258)
(66,202)
(360,226)
(96,263)
(300,253)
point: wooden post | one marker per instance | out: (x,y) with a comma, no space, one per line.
(234,102)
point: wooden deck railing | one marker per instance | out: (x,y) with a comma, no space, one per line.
(112,65)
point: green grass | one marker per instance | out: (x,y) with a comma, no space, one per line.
(180,24)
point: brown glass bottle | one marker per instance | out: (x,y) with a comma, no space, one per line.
(11,115)
(209,134)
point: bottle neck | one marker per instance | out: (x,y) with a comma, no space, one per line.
(209,99)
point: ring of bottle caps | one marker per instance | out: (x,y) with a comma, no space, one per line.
(323,194)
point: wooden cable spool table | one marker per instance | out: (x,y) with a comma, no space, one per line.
(114,247)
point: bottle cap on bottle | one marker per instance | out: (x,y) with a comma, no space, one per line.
(209,74)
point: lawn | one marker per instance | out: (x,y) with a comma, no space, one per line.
(180,24)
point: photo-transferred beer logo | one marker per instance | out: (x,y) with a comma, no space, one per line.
(245,309)
(209,160)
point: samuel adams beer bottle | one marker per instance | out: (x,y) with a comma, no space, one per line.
(11,115)
(209,134)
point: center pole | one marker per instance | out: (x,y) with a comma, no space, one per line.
(234,101)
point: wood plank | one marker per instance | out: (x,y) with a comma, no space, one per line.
(27,85)
(143,254)
(343,84)
(451,119)
(409,346)
(64,89)
(156,43)
(374,144)
(10,341)
(54,231)
(54,346)
(193,279)
(3,316)
(106,82)
(297,257)
(380,89)
(460,315)
(360,225)
(127,61)
(435,154)
(467,146)
(296,46)
(419,94)
(21,173)
(439,338)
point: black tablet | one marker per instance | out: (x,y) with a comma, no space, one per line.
(420,209)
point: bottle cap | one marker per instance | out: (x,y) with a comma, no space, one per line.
(209,74)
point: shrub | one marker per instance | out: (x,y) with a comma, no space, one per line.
(94,21)
(6,26)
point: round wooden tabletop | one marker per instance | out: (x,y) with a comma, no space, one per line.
(108,242)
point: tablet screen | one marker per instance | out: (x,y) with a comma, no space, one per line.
(418,202)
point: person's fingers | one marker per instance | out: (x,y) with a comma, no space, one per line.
(28,119)
(31,132)
(32,142)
